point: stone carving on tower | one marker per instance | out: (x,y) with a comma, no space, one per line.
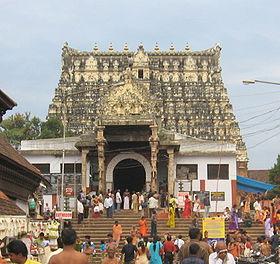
(183,89)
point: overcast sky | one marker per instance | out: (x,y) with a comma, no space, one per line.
(32,34)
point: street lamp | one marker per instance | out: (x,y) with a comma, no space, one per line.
(247,82)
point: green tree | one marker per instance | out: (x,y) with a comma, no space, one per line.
(19,127)
(274,173)
(274,178)
(52,128)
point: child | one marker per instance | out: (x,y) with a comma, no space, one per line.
(102,248)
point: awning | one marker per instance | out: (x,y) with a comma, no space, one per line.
(250,185)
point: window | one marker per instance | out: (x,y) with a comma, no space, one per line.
(186,171)
(217,171)
(141,74)
(69,168)
(43,167)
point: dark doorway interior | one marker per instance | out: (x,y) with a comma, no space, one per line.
(129,174)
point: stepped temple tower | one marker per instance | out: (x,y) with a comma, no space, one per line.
(148,111)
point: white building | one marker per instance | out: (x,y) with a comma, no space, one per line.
(199,166)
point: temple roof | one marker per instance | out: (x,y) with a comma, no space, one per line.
(9,207)
(181,91)
(9,154)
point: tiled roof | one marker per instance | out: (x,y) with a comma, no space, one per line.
(8,207)
(9,153)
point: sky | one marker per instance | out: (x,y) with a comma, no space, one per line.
(32,34)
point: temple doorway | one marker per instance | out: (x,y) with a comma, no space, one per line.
(129,174)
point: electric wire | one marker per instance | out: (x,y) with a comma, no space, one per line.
(265,140)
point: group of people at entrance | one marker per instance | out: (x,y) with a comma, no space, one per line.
(146,203)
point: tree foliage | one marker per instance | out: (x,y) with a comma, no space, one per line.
(52,128)
(274,173)
(274,178)
(20,127)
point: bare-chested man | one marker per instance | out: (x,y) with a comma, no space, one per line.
(69,255)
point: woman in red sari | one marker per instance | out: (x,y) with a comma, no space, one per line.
(188,207)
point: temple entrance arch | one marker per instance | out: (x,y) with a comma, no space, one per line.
(129,167)
(129,174)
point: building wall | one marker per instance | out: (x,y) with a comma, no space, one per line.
(203,184)
(53,160)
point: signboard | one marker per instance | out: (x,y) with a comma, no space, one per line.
(69,191)
(63,215)
(181,199)
(217,196)
(215,226)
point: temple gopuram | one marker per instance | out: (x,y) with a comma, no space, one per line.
(152,113)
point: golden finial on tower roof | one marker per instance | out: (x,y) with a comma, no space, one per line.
(172,48)
(125,48)
(187,48)
(111,47)
(157,49)
(95,48)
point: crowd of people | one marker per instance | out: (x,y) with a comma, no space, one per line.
(143,245)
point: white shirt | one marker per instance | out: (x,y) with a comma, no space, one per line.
(80,207)
(179,242)
(153,203)
(108,202)
(257,206)
(118,197)
(213,259)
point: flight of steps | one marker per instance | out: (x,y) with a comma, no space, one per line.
(98,228)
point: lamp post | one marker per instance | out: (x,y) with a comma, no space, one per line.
(247,82)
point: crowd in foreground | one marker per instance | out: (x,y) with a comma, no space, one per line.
(196,250)
(143,245)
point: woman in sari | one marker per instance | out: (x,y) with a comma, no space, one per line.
(171,215)
(134,235)
(143,226)
(233,224)
(188,208)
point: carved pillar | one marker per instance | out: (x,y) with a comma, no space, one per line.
(170,152)
(101,158)
(85,174)
(154,142)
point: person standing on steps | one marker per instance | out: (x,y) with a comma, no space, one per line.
(154,224)
(80,209)
(206,203)
(118,200)
(143,227)
(152,204)
(108,205)
(117,232)
(134,199)
(126,200)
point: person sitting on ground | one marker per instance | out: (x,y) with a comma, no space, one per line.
(17,251)
(111,256)
(193,255)
(69,255)
(221,256)
(88,246)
